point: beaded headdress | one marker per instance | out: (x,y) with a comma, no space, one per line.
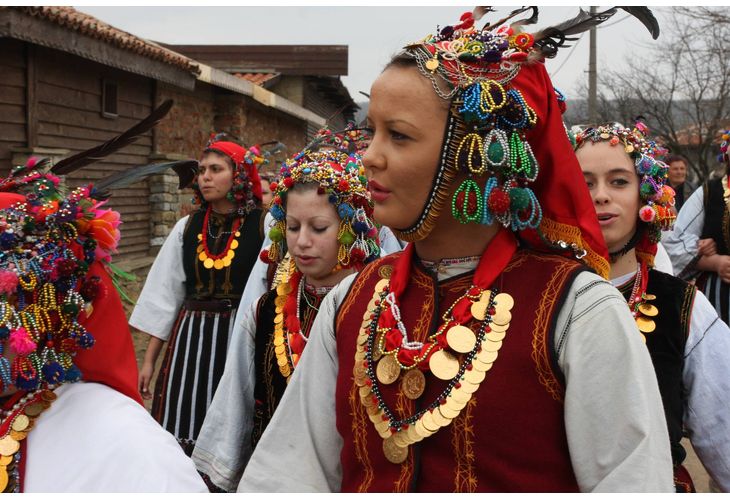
(246,191)
(47,244)
(724,145)
(341,177)
(656,195)
(504,127)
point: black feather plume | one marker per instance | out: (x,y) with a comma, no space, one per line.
(512,14)
(549,40)
(185,170)
(72,163)
(646,17)
(580,23)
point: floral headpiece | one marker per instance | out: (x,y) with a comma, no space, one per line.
(341,177)
(47,244)
(723,156)
(656,194)
(246,191)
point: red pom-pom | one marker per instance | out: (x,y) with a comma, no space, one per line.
(357,254)
(264,255)
(498,202)
(288,182)
(343,185)
(273,186)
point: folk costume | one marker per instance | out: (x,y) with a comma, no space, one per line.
(274,332)
(684,336)
(459,377)
(191,294)
(706,214)
(67,363)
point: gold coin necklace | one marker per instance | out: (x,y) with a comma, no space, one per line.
(16,424)
(641,309)
(221,259)
(454,353)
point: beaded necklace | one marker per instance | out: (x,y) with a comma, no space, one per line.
(454,352)
(289,339)
(223,258)
(17,422)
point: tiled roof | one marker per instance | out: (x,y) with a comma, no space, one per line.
(257,78)
(90,26)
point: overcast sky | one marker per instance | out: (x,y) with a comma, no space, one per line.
(373,34)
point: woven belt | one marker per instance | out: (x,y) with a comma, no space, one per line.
(223,305)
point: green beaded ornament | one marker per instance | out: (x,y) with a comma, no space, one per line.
(461,214)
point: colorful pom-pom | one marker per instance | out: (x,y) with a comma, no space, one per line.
(647,214)
(8,282)
(519,199)
(347,238)
(21,343)
(276,235)
(498,201)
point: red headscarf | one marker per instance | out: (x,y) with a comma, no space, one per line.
(238,155)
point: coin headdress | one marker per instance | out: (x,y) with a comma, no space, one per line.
(504,128)
(657,196)
(339,175)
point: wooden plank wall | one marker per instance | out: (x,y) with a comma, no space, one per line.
(12,100)
(68,94)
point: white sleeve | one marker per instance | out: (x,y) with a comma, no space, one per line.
(662,262)
(614,418)
(302,437)
(94,439)
(388,242)
(257,284)
(681,243)
(224,443)
(164,290)
(706,378)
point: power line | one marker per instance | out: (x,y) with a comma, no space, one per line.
(568,57)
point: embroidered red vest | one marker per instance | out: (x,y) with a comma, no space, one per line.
(511,436)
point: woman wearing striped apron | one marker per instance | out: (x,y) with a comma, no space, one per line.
(190,296)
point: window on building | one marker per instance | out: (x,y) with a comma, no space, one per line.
(109,99)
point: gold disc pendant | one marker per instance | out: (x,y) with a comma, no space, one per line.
(388,370)
(461,339)
(413,383)
(218,264)
(202,256)
(208,263)
(394,453)
(645,325)
(443,365)
(234,244)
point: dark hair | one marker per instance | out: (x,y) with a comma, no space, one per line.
(672,158)
(221,154)
(401,60)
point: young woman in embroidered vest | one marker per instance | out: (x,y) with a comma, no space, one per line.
(479,358)
(699,246)
(68,374)
(688,343)
(194,285)
(323,215)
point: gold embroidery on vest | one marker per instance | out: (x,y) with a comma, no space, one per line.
(360,438)
(462,441)
(543,314)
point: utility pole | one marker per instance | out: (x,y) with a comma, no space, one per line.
(592,75)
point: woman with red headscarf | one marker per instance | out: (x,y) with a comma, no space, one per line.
(485,356)
(189,299)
